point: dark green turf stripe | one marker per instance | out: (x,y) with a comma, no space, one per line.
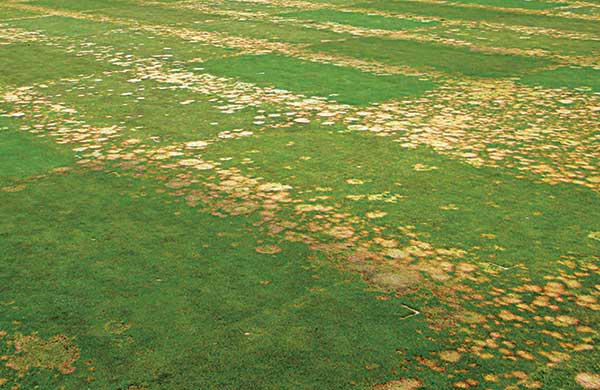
(350,85)
(455,12)
(27,63)
(566,77)
(448,59)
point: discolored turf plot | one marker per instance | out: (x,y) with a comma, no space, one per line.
(100,40)
(512,39)
(449,203)
(299,194)
(359,19)
(139,106)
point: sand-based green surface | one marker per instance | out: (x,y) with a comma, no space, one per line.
(302,194)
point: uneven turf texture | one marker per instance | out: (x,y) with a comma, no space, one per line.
(321,194)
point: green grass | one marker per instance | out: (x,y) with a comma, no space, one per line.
(24,64)
(513,39)
(218,23)
(23,155)
(16,13)
(527,4)
(454,12)
(451,60)
(564,77)
(66,26)
(386,167)
(87,5)
(190,289)
(349,85)
(589,10)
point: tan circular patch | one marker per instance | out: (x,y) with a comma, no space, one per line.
(268,249)
(450,356)
(588,381)
(401,384)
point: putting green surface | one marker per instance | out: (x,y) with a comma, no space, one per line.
(331,194)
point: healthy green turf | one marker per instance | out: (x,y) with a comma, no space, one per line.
(347,85)
(24,64)
(189,291)
(453,60)
(527,4)
(580,78)
(16,14)
(23,155)
(455,12)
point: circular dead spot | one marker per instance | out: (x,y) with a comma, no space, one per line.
(398,254)
(341,232)
(116,327)
(450,356)
(401,384)
(588,381)
(204,166)
(273,187)
(396,281)
(188,162)
(355,181)
(268,249)
(376,214)
(196,145)
(471,317)
(594,179)
(358,128)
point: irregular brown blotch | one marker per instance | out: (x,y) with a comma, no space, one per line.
(401,384)
(509,316)
(268,249)
(116,327)
(399,281)
(341,232)
(395,253)
(471,317)
(32,351)
(17,188)
(588,380)
(450,356)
